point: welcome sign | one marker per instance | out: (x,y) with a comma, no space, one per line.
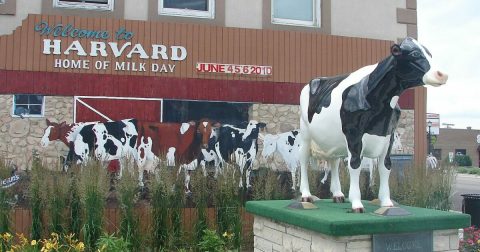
(98,46)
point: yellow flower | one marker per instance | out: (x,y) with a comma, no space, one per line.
(80,246)
(33,242)
(225,234)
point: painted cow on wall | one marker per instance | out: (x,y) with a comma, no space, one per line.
(356,114)
(239,144)
(107,141)
(287,144)
(65,133)
(179,142)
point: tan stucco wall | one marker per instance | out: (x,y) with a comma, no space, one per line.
(136,10)
(24,7)
(375,19)
(20,137)
(245,13)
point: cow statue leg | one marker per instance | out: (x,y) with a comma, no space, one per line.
(384,190)
(354,194)
(304,155)
(335,187)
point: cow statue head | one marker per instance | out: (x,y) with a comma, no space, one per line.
(52,132)
(414,65)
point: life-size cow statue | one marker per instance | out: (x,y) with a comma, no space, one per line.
(356,114)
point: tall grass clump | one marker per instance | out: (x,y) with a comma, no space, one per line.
(74,205)
(94,189)
(37,178)
(200,197)
(55,198)
(176,203)
(423,188)
(161,186)
(129,225)
(228,204)
(269,185)
(5,199)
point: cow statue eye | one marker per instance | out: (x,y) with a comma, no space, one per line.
(415,54)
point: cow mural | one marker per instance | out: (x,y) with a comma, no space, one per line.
(240,145)
(178,141)
(287,144)
(355,115)
(107,141)
(65,133)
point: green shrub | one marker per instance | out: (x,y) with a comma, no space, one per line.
(111,243)
(211,242)
(463,160)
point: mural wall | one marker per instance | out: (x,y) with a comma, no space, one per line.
(22,136)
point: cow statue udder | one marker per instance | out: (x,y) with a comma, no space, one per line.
(355,115)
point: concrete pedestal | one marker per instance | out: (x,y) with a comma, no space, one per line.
(332,227)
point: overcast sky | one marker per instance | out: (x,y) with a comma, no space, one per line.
(450,29)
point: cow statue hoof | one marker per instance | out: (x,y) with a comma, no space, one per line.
(338,199)
(310,199)
(358,210)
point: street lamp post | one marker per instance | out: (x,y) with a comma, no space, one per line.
(429,137)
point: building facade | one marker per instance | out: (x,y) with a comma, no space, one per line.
(167,60)
(451,142)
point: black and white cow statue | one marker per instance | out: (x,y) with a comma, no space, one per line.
(355,116)
(239,145)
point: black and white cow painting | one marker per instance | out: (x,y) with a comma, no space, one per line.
(287,144)
(234,143)
(355,115)
(107,141)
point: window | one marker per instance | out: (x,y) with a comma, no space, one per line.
(460,152)
(298,12)
(85,4)
(223,112)
(187,8)
(2,1)
(28,105)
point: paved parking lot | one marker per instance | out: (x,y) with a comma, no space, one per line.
(464,183)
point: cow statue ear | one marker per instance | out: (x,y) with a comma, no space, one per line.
(217,125)
(63,123)
(396,50)
(48,121)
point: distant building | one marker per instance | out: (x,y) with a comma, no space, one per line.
(455,141)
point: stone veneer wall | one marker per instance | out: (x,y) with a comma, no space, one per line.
(270,236)
(283,118)
(20,137)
